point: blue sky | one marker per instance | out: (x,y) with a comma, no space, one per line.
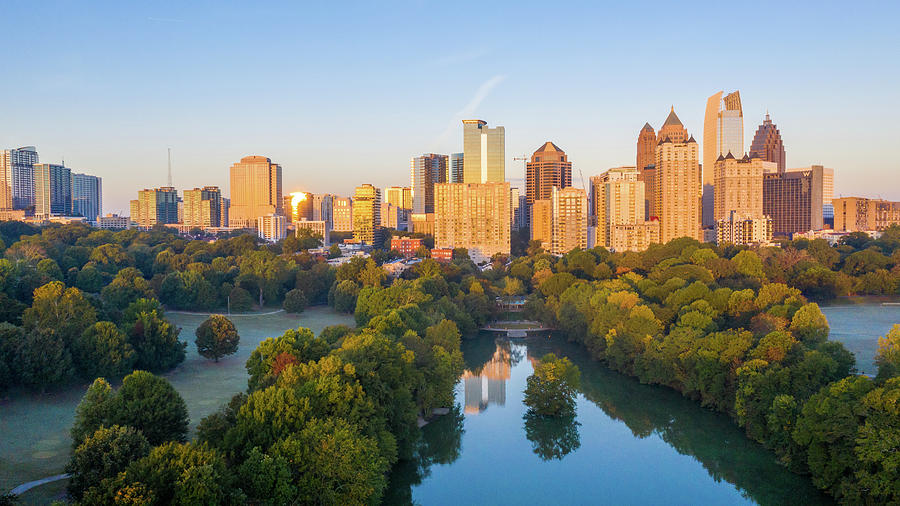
(346,93)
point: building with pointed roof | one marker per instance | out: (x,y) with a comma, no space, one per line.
(673,129)
(767,144)
(677,184)
(549,168)
(646,147)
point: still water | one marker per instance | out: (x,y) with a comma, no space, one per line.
(858,322)
(628,444)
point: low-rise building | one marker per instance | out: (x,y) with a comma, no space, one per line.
(744,230)
(858,214)
(443,255)
(406,246)
(316,227)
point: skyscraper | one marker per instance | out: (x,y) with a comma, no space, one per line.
(52,190)
(675,132)
(473,216)
(400,196)
(367,215)
(678,188)
(767,144)
(542,222)
(723,133)
(255,191)
(646,147)
(425,172)
(793,199)
(618,198)
(17,177)
(156,206)
(455,168)
(570,220)
(738,208)
(203,207)
(672,129)
(298,206)
(342,214)
(87,196)
(484,152)
(549,168)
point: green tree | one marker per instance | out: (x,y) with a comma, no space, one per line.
(295,301)
(216,337)
(299,344)
(104,454)
(342,296)
(877,443)
(240,300)
(43,361)
(150,404)
(810,325)
(92,412)
(888,356)
(749,264)
(59,311)
(551,390)
(103,350)
(153,338)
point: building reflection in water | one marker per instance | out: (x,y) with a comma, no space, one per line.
(488,386)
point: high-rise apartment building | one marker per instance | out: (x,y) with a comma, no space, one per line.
(617,197)
(455,168)
(767,144)
(155,206)
(400,196)
(226,209)
(746,230)
(827,196)
(858,214)
(678,188)
(87,196)
(271,227)
(322,209)
(473,216)
(675,132)
(738,186)
(672,129)
(723,133)
(367,215)
(52,190)
(315,227)
(425,172)
(203,207)
(519,207)
(570,220)
(255,191)
(542,222)
(342,214)
(794,199)
(484,152)
(17,177)
(549,168)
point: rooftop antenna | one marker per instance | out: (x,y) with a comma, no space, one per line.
(170,166)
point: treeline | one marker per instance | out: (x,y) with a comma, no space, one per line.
(324,418)
(731,329)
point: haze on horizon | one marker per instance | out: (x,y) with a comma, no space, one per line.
(343,95)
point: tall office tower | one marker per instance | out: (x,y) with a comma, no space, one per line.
(618,198)
(342,214)
(156,206)
(367,215)
(203,207)
(425,172)
(678,188)
(17,177)
(793,199)
(484,152)
(515,211)
(298,206)
(646,147)
(255,191)
(455,168)
(549,168)
(738,186)
(542,222)
(400,196)
(322,209)
(723,133)
(570,220)
(828,196)
(767,144)
(473,216)
(87,196)
(858,214)
(672,129)
(52,190)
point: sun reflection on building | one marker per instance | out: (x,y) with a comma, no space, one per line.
(487,386)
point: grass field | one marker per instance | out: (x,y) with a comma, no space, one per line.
(34,438)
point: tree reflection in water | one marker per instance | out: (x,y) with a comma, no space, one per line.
(552,437)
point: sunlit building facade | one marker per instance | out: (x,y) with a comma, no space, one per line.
(155,206)
(342,214)
(367,215)
(738,187)
(678,189)
(87,196)
(542,222)
(723,133)
(255,191)
(17,177)
(425,172)
(794,199)
(473,216)
(549,168)
(455,168)
(52,190)
(618,197)
(858,214)
(271,227)
(767,144)
(484,152)
(400,196)
(570,220)
(203,207)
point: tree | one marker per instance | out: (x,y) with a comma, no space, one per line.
(104,454)
(154,339)
(42,360)
(551,390)
(149,403)
(888,356)
(877,443)
(295,301)
(342,296)
(216,337)
(240,300)
(301,344)
(810,325)
(59,311)
(92,412)
(103,350)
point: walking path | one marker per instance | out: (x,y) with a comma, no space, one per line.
(230,315)
(25,487)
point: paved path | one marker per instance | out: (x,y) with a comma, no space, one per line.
(25,487)
(228,315)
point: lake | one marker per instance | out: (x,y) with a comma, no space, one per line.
(858,322)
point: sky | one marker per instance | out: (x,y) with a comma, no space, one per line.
(345,93)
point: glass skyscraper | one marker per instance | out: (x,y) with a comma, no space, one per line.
(484,152)
(87,196)
(52,190)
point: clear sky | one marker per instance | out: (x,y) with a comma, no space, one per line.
(346,93)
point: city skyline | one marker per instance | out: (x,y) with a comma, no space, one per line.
(117,118)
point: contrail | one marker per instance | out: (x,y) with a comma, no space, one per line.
(469,109)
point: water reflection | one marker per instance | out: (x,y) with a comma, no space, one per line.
(552,437)
(486,384)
